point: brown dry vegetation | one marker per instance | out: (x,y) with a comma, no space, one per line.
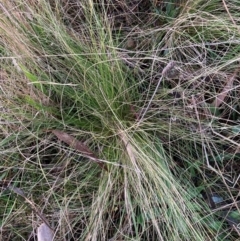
(149,91)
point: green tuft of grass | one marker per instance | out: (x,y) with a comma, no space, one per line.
(150,89)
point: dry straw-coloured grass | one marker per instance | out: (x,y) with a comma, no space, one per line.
(119,120)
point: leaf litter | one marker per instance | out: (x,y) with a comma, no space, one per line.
(79,146)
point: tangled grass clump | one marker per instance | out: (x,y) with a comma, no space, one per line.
(120,120)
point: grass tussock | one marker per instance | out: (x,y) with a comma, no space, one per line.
(120,119)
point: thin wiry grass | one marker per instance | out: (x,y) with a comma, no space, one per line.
(77,77)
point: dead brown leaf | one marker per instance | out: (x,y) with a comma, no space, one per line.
(133,112)
(221,96)
(78,146)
